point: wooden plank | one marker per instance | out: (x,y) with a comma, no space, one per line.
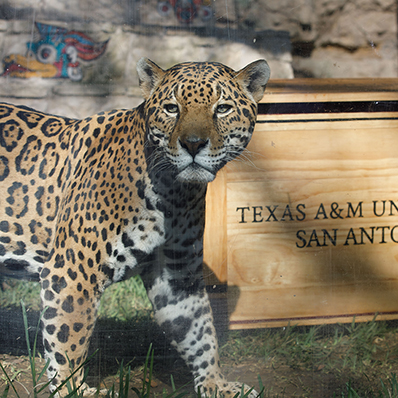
(215,237)
(321,150)
(280,284)
(326,90)
(360,117)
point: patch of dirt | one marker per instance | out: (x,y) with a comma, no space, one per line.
(279,380)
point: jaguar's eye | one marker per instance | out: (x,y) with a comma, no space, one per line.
(223,108)
(171,108)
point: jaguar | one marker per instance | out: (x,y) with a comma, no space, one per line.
(88,203)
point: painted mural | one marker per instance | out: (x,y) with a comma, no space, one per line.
(56,54)
(186,11)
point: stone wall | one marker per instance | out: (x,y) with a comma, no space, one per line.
(332,38)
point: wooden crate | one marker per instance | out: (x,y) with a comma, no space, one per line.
(304,227)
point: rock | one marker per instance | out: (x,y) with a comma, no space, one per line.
(367,28)
(335,62)
(325,32)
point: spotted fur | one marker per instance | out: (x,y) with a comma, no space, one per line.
(86,203)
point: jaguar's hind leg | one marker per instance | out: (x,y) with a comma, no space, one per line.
(67,324)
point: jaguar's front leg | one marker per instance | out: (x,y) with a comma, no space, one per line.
(183,311)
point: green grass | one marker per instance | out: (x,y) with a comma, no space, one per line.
(339,347)
(123,300)
(386,390)
(115,305)
(13,291)
(360,351)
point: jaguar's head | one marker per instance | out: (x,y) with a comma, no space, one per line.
(199,116)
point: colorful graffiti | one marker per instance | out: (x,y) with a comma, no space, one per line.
(186,10)
(54,55)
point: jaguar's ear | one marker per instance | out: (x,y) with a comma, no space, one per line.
(254,78)
(149,75)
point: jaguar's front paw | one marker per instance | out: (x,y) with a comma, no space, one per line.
(231,389)
(228,390)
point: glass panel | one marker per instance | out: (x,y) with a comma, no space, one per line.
(300,244)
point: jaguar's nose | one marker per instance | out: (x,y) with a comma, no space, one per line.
(193,144)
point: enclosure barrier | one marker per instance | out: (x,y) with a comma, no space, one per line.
(303,228)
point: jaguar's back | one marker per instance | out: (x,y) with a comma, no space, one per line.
(50,163)
(34,148)
(86,203)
